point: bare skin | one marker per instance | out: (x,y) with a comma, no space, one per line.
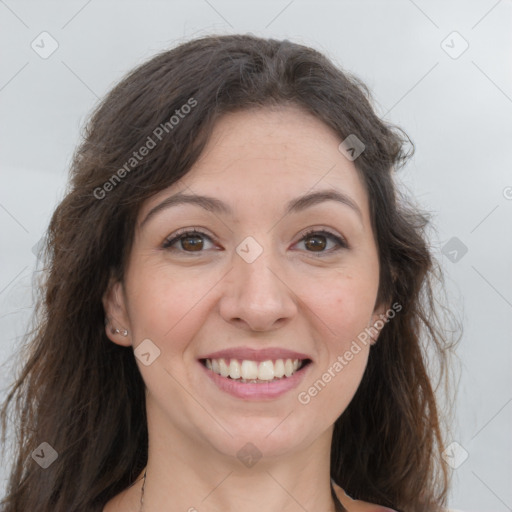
(130,498)
(192,302)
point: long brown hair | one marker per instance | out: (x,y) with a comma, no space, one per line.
(84,395)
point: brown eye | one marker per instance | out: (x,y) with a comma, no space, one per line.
(192,243)
(189,241)
(318,241)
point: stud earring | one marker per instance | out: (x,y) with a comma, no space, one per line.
(122,332)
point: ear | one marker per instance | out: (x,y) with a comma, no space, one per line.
(116,316)
(378,321)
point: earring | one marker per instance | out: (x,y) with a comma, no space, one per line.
(123,332)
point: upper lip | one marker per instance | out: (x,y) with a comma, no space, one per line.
(252,354)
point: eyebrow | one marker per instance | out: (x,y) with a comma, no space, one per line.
(214,205)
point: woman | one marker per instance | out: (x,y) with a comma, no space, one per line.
(236,301)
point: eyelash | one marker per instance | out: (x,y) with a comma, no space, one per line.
(187,232)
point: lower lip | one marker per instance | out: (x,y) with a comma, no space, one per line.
(261,391)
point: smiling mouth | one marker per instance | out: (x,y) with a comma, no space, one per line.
(255,372)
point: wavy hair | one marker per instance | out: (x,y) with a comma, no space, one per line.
(84,395)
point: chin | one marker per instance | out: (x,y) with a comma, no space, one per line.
(254,437)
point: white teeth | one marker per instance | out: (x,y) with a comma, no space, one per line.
(252,371)
(266,370)
(249,370)
(234,369)
(224,368)
(288,368)
(279,368)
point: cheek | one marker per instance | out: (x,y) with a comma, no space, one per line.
(344,377)
(164,306)
(331,387)
(343,302)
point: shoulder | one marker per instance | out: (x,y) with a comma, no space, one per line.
(363,506)
(357,505)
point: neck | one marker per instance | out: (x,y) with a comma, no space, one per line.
(193,476)
(338,505)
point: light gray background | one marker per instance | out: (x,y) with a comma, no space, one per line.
(456,110)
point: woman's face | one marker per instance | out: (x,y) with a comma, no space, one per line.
(278,270)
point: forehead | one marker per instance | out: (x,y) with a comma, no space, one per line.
(267,153)
(285,134)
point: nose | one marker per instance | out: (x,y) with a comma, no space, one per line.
(257,296)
